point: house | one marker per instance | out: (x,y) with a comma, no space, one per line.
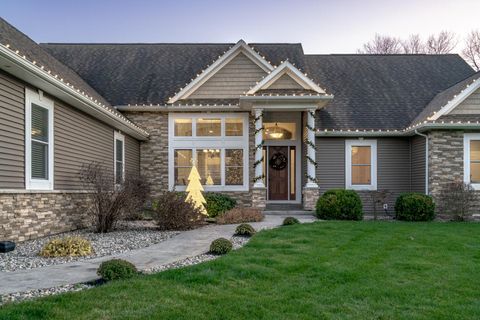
(265,123)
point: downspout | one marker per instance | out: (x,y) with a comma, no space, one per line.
(426,158)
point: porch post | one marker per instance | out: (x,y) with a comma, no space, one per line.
(310,191)
(259,175)
(311,162)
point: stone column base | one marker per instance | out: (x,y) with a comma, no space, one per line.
(259,198)
(310,197)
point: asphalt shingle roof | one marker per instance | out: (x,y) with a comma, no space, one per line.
(151,73)
(33,52)
(381,91)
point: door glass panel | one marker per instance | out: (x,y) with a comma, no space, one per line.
(292,173)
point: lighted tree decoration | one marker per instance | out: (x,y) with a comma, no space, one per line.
(194,190)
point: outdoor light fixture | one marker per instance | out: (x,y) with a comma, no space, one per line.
(276,133)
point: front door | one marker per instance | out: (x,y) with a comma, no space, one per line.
(278,173)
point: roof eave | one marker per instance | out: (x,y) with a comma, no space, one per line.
(30,73)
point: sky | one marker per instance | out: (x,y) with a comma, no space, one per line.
(335,26)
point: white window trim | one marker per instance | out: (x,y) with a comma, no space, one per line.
(467,137)
(200,142)
(37,98)
(348,164)
(118,136)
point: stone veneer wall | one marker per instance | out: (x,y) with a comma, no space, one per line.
(25,215)
(445,153)
(154,154)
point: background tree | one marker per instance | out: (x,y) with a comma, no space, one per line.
(382,44)
(413,45)
(471,52)
(442,43)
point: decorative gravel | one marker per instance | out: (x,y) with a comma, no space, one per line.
(237,242)
(37,293)
(129,235)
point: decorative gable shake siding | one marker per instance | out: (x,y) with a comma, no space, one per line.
(12,135)
(285,82)
(235,78)
(393,167)
(471,105)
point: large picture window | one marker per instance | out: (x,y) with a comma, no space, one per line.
(471,159)
(361,164)
(38,141)
(216,143)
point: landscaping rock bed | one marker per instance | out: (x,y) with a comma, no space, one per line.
(129,235)
(237,242)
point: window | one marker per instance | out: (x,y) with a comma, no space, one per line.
(183,164)
(38,141)
(183,127)
(233,127)
(119,153)
(360,161)
(218,145)
(208,127)
(234,167)
(471,159)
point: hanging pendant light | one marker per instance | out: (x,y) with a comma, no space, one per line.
(276,132)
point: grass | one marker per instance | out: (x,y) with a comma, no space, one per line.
(324,270)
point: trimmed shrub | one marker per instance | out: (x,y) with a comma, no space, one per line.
(339,204)
(67,247)
(220,246)
(245,230)
(288,221)
(240,215)
(116,269)
(171,211)
(218,203)
(414,207)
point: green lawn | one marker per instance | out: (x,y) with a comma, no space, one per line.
(332,270)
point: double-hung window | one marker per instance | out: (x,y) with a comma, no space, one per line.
(119,157)
(38,141)
(471,159)
(216,143)
(361,164)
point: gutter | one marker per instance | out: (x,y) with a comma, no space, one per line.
(36,76)
(426,159)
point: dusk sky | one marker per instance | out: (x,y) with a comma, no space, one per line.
(340,26)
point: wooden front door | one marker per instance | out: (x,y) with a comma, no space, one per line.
(278,164)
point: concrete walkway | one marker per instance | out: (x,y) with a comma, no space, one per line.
(184,245)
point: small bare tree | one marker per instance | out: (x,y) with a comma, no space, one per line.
(413,45)
(111,202)
(382,44)
(456,199)
(441,43)
(472,49)
(378,197)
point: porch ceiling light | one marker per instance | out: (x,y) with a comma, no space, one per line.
(276,132)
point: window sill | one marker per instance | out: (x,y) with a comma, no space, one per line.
(362,187)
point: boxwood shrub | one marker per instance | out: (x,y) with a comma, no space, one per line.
(339,204)
(218,203)
(221,246)
(116,269)
(288,221)
(245,230)
(414,207)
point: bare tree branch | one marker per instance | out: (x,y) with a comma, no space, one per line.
(413,45)
(382,45)
(471,53)
(442,43)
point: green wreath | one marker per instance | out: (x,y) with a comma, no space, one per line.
(278,161)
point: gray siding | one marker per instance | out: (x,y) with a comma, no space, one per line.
(78,139)
(236,77)
(12,133)
(393,167)
(418,164)
(285,82)
(470,105)
(132,156)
